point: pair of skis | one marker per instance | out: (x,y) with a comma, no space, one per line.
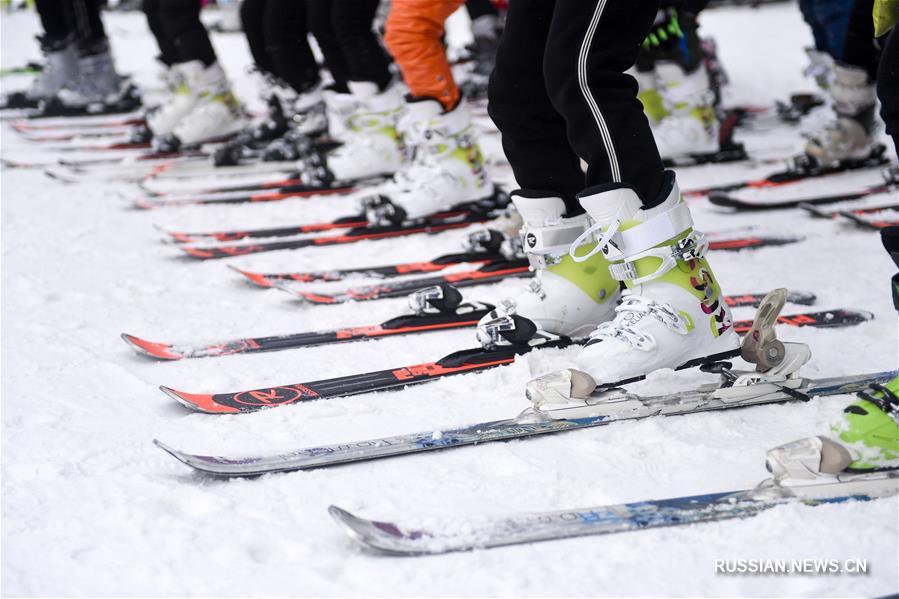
(357,228)
(617,405)
(451,316)
(493,268)
(725,199)
(460,362)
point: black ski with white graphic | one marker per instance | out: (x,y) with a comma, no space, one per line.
(393,538)
(624,406)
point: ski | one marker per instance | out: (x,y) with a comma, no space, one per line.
(801,170)
(877,220)
(624,406)
(128,103)
(465,315)
(347,222)
(31,68)
(59,123)
(460,362)
(835,212)
(460,216)
(268,280)
(242,197)
(729,201)
(490,273)
(392,538)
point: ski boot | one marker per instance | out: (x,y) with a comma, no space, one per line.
(851,135)
(566,297)
(371,146)
(672,315)
(97,89)
(60,70)
(447,168)
(863,446)
(676,89)
(648,93)
(204,109)
(339,110)
(690,128)
(199,85)
(572,394)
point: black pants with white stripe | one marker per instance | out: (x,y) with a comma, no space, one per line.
(559,94)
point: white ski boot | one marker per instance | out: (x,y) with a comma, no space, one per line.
(97,82)
(371,145)
(673,314)
(60,70)
(447,168)
(851,134)
(566,297)
(199,85)
(688,126)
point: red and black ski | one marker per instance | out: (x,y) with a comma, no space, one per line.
(877,220)
(798,172)
(832,212)
(466,315)
(489,273)
(755,204)
(346,222)
(460,216)
(268,280)
(472,360)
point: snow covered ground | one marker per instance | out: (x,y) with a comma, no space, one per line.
(91,508)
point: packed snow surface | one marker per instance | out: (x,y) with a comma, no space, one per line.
(91,507)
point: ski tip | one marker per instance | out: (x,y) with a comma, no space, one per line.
(360,530)
(200,253)
(58,176)
(168,449)
(258,279)
(199,402)
(305,296)
(150,348)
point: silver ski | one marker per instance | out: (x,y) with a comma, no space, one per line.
(617,405)
(462,535)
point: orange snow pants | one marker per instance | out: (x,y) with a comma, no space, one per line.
(414,38)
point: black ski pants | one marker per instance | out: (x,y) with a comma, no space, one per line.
(344,32)
(276,32)
(73,19)
(559,94)
(179,33)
